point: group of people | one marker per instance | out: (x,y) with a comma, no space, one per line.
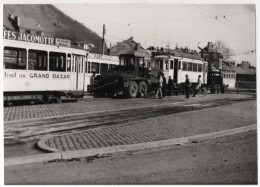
(162,86)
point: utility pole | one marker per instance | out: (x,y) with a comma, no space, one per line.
(103,39)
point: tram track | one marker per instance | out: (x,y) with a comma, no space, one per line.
(34,130)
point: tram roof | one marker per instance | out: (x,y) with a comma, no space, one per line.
(178,54)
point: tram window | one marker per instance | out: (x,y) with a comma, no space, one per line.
(104,66)
(179,65)
(159,64)
(189,66)
(95,67)
(80,63)
(195,67)
(37,60)
(57,61)
(171,64)
(167,64)
(112,66)
(88,67)
(185,66)
(68,62)
(14,58)
(199,67)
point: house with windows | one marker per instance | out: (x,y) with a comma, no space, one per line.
(216,63)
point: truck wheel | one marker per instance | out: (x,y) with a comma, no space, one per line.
(142,89)
(132,89)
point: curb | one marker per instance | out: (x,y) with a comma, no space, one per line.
(122,148)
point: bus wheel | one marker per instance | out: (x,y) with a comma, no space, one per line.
(142,89)
(132,89)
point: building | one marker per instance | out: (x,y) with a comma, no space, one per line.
(23,25)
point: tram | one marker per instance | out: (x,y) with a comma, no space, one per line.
(46,69)
(177,66)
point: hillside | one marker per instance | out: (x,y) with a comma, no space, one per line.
(54,22)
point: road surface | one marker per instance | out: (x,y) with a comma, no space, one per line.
(226,160)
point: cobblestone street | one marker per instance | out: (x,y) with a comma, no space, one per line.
(160,128)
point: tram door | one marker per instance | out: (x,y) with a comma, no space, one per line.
(175,78)
(77,73)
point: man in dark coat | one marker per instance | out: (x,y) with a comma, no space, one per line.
(164,88)
(187,86)
(170,85)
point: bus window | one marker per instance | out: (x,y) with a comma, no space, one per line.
(185,66)
(112,66)
(14,58)
(95,67)
(68,62)
(57,61)
(199,67)
(37,60)
(104,66)
(195,67)
(189,66)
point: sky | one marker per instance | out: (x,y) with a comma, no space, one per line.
(184,25)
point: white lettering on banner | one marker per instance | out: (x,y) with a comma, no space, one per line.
(12,35)
(104,57)
(62,42)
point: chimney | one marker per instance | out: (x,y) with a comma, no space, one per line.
(17,20)
(210,47)
(138,46)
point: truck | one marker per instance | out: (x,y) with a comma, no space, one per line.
(130,78)
(215,82)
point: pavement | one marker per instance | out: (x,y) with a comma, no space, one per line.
(153,132)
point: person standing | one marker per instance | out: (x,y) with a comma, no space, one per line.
(160,84)
(164,86)
(92,79)
(198,85)
(170,85)
(187,86)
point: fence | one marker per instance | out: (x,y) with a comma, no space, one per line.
(246,85)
